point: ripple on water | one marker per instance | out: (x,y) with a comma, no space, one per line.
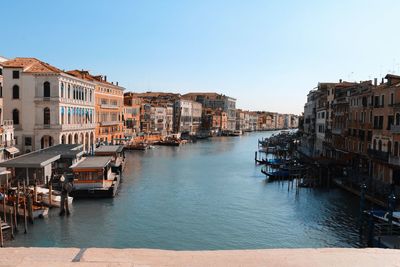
(207,195)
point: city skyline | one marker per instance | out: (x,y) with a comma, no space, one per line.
(274,51)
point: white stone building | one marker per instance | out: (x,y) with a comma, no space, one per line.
(47,105)
(187,116)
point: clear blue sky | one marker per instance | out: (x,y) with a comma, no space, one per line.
(266,54)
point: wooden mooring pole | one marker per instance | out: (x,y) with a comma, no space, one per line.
(11,223)
(25,215)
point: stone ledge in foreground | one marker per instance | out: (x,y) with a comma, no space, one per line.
(44,257)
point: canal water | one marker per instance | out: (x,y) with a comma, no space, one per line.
(202,196)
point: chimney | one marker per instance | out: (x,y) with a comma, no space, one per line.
(340,80)
(375,81)
(383,81)
(105,77)
(112,82)
(117,83)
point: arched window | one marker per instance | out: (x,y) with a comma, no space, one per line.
(397,118)
(46,116)
(62,89)
(62,115)
(380,145)
(396,149)
(46,89)
(389,149)
(69,91)
(15,92)
(15,116)
(374,144)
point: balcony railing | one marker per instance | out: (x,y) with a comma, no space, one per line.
(108,123)
(395,129)
(380,155)
(109,106)
(337,131)
(394,160)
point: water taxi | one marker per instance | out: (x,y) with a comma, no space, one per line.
(116,152)
(93,177)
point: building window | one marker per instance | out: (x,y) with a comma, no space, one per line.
(46,116)
(28,141)
(46,89)
(15,92)
(382,100)
(69,91)
(62,89)
(391,99)
(15,74)
(15,116)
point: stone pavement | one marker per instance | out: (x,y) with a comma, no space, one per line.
(91,257)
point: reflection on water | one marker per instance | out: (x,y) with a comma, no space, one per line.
(207,195)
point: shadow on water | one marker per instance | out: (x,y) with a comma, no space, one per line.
(206,195)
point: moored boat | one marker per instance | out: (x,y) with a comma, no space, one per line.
(93,177)
(137,146)
(43,196)
(116,152)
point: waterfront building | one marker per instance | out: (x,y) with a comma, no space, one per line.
(47,105)
(215,121)
(7,149)
(187,116)
(246,122)
(109,105)
(215,102)
(253,121)
(132,105)
(320,122)
(158,122)
(240,123)
(308,138)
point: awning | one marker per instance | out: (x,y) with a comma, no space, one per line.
(12,150)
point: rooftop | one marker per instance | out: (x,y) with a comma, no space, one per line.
(85,75)
(109,149)
(30,65)
(43,157)
(92,162)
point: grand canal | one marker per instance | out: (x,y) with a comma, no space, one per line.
(206,195)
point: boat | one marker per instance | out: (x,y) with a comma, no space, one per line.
(383,216)
(262,161)
(116,152)
(94,178)
(236,133)
(137,146)
(276,175)
(168,142)
(43,196)
(38,211)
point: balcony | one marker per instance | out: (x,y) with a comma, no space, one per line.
(109,123)
(109,106)
(394,160)
(69,127)
(338,131)
(395,129)
(379,155)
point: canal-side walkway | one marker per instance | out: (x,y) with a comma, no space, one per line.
(99,257)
